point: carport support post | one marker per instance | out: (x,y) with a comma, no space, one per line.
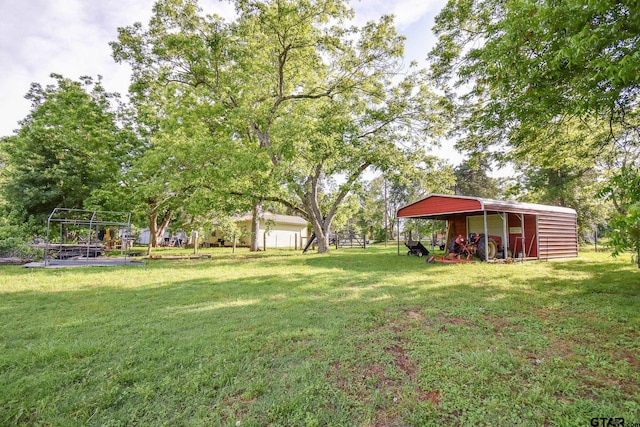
(486,235)
(398,228)
(505,236)
(433,234)
(521,217)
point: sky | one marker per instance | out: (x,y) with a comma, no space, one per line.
(71,38)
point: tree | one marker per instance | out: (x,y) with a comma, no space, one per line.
(381,197)
(168,177)
(625,224)
(68,146)
(373,203)
(292,94)
(530,62)
(546,82)
(472,180)
(566,166)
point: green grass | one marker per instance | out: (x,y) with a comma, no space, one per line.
(358,337)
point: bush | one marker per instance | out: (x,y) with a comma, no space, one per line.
(14,247)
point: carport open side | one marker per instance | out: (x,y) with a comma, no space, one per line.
(529,231)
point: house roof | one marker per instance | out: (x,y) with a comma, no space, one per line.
(277,218)
(441,206)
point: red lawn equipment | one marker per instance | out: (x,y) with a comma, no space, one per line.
(463,249)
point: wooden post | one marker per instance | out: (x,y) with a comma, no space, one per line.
(194,236)
(386,214)
(264,241)
(233,250)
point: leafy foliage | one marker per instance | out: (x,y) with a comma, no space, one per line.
(544,58)
(625,224)
(16,247)
(625,232)
(472,180)
(551,86)
(288,94)
(68,146)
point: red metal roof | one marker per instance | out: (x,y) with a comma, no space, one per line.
(440,205)
(554,229)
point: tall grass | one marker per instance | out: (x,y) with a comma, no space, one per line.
(357,337)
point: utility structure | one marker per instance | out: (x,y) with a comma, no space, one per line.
(86,226)
(527,230)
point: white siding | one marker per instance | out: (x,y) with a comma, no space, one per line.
(282,236)
(475,224)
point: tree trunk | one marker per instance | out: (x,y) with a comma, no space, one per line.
(255,226)
(153,241)
(156,231)
(323,243)
(321,227)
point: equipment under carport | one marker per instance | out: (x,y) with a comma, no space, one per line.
(416,248)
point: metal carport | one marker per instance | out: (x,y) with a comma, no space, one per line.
(530,231)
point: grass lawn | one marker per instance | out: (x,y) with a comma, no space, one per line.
(358,337)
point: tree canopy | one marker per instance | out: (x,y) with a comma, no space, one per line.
(552,86)
(473,180)
(295,99)
(535,61)
(68,146)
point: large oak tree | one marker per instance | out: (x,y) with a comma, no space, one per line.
(550,85)
(69,145)
(294,96)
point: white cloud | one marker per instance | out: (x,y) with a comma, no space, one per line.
(71,37)
(68,37)
(406,12)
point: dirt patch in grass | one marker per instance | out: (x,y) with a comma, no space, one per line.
(402,361)
(631,359)
(430,396)
(415,315)
(373,380)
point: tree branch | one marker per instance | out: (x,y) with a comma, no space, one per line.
(285,202)
(346,187)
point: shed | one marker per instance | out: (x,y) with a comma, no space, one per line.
(276,231)
(531,231)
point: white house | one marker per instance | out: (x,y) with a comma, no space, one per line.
(276,231)
(177,239)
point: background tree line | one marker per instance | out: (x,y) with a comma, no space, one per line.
(290,106)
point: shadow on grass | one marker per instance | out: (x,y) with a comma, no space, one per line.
(594,277)
(379,260)
(288,336)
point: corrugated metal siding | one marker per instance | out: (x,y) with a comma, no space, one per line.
(550,231)
(457,225)
(434,205)
(558,235)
